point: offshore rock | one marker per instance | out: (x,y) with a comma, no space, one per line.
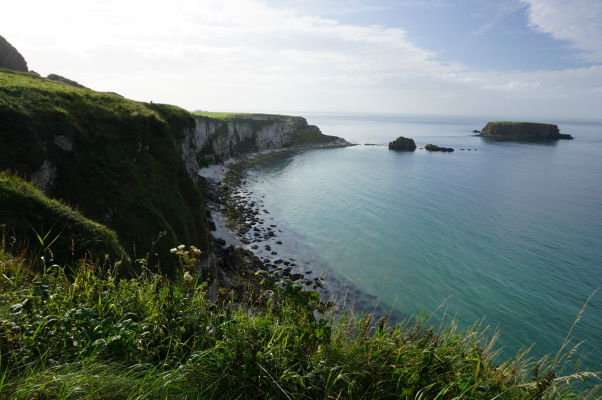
(523,131)
(432,147)
(402,144)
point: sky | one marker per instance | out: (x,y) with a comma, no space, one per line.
(503,58)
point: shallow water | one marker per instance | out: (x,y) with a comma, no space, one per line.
(508,233)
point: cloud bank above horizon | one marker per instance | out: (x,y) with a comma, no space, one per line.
(248,55)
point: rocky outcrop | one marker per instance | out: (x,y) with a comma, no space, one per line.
(10,58)
(522,131)
(432,147)
(66,81)
(214,140)
(402,144)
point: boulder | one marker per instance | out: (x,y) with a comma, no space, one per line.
(10,58)
(522,131)
(402,144)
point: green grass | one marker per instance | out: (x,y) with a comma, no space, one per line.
(312,136)
(220,115)
(95,336)
(518,123)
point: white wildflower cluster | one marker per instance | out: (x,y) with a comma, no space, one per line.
(188,258)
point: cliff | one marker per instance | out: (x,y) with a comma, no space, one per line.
(214,140)
(522,131)
(128,165)
(10,58)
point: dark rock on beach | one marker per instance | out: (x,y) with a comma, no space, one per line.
(402,144)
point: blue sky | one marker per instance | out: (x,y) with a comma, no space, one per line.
(506,58)
(483,34)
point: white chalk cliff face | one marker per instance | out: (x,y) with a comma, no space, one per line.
(214,140)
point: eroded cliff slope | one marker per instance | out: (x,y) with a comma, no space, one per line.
(129,165)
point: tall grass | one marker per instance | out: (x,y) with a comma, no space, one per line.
(94,336)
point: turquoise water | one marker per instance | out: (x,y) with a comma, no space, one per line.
(508,233)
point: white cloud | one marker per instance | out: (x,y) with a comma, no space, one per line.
(245,55)
(578,22)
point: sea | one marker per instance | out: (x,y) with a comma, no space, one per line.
(505,235)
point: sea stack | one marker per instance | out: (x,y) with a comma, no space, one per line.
(522,131)
(402,144)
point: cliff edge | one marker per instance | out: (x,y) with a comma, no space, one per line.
(129,165)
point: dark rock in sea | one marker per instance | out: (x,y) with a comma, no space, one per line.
(522,131)
(432,147)
(402,144)
(475,131)
(10,58)
(220,242)
(279,242)
(212,226)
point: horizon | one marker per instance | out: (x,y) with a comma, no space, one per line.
(515,59)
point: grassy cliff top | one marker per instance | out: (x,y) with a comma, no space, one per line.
(237,115)
(512,123)
(28,93)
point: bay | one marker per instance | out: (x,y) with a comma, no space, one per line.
(506,233)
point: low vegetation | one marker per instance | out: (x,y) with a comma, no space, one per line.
(51,231)
(312,136)
(220,115)
(93,335)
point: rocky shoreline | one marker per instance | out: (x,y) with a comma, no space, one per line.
(241,221)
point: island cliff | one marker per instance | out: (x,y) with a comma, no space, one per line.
(522,131)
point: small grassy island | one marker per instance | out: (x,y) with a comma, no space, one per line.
(522,131)
(111,283)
